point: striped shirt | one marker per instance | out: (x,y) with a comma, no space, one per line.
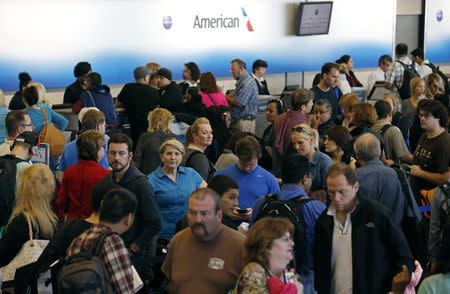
(114,255)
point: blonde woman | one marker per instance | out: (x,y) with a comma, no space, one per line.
(409,106)
(435,85)
(3,112)
(36,190)
(198,137)
(42,93)
(146,156)
(172,185)
(398,119)
(306,141)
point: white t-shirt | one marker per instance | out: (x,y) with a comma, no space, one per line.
(341,255)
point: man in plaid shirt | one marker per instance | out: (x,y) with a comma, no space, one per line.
(394,76)
(116,216)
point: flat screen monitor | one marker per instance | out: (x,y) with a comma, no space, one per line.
(314,18)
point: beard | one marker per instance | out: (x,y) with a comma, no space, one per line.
(196,227)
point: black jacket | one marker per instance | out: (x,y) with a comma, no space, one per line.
(171,97)
(379,249)
(147,220)
(72,93)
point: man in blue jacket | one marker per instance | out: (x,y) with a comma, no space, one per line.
(357,246)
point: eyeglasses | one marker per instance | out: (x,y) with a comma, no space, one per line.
(424,115)
(27,125)
(301,130)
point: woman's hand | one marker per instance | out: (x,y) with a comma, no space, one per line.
(299,285)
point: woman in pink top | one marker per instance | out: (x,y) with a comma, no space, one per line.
(211,95)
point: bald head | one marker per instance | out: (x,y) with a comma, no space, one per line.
(367,147)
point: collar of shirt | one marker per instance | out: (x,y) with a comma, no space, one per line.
(260,80)
(331,211)
(373,162)
(160,174)
(244,76)
(405,60)
(190,84)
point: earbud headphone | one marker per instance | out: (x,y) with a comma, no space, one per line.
(34,149)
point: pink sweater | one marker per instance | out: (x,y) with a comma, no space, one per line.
(211,99)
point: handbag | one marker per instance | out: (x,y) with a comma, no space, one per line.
(52,136)
(30,252)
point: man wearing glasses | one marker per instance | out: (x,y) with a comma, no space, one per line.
(357,247)
(17,122)
(431,159)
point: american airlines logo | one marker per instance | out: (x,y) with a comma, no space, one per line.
(222,22)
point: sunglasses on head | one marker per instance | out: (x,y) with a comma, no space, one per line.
(301,130)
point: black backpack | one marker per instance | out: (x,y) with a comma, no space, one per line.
(383,130)
(411,223)
(8,170)
(445,205)
(409,73)
(85,272)
(436,70)
(291,209)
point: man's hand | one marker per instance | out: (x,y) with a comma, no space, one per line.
(415,170)
(401,280)
(388,85)
(242,216)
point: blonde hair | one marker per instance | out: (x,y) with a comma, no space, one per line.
(174,143)
(35,191)
(308,131)
(414,82)
(434,78)
(2,99)
(194,128)
(159,119)
(394,100)
(153,67)
(42,92)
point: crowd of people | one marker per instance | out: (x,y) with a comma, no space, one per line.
(338,196)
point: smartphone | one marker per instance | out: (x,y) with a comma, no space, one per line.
(289,277)
(242,211)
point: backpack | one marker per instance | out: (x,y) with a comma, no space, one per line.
(291,209)
(409,73)
(411,223)
(445,205)
(436,70)
(383,130)
(8,170)
(85,272)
